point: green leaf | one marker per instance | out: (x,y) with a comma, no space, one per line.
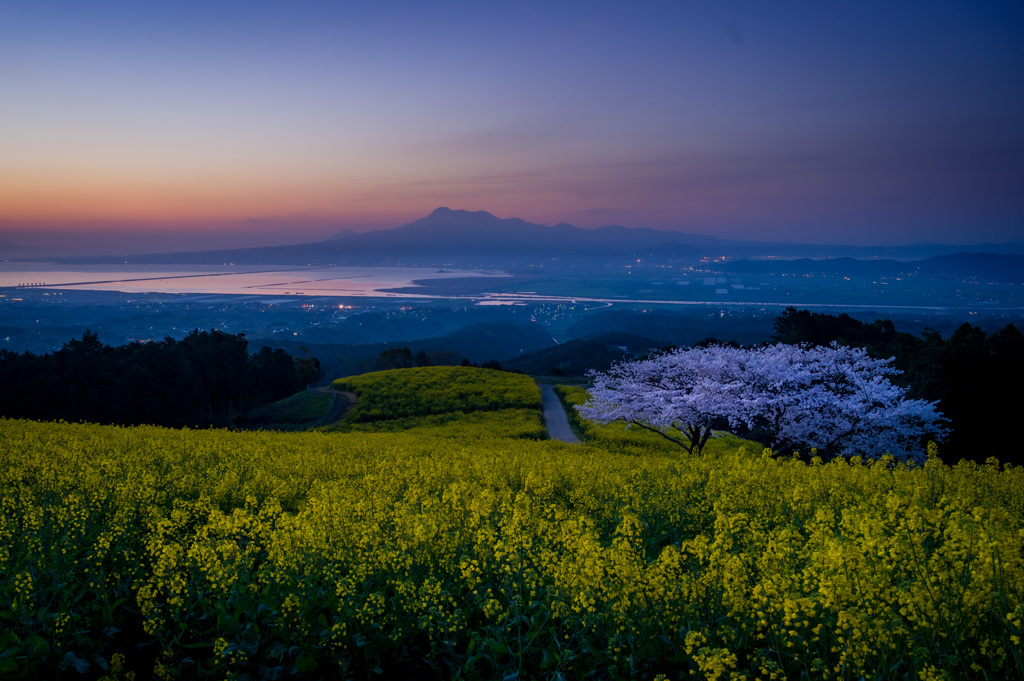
(195,646)
(79,664)
(39,644)
(306,664)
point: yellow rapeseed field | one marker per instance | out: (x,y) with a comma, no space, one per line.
(469,547)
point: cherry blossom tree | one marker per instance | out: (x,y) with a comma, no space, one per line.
(836,399)
(685,392)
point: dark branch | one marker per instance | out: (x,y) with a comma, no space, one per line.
(688,448)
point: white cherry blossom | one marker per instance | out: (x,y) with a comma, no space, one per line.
(836,399)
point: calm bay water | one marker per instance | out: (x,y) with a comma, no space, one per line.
(267,280)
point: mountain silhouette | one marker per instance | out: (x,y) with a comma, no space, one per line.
(447,237)
(464,238)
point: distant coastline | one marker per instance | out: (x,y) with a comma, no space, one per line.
(236,280)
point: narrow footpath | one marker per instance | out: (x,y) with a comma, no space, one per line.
(342,403)
(554,416)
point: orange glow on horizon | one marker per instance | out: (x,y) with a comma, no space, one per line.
(92,199)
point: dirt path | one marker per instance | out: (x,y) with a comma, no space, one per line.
(554,416)
(343,403)
(351,400)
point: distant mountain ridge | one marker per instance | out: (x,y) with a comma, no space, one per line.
(479,239)
(458,233)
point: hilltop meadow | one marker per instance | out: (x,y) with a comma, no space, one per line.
(442,536)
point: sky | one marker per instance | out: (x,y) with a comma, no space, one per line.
(135,126)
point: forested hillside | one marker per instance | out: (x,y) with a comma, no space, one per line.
(205,378)
(975,377)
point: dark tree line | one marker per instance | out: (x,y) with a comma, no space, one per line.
(206,378)
(403,358)
(977,378)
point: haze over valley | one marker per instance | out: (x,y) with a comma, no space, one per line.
(454,271)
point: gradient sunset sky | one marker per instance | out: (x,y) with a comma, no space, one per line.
(181,125)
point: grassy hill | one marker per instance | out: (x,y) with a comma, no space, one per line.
(400,393)
(437,539)
(295,411)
